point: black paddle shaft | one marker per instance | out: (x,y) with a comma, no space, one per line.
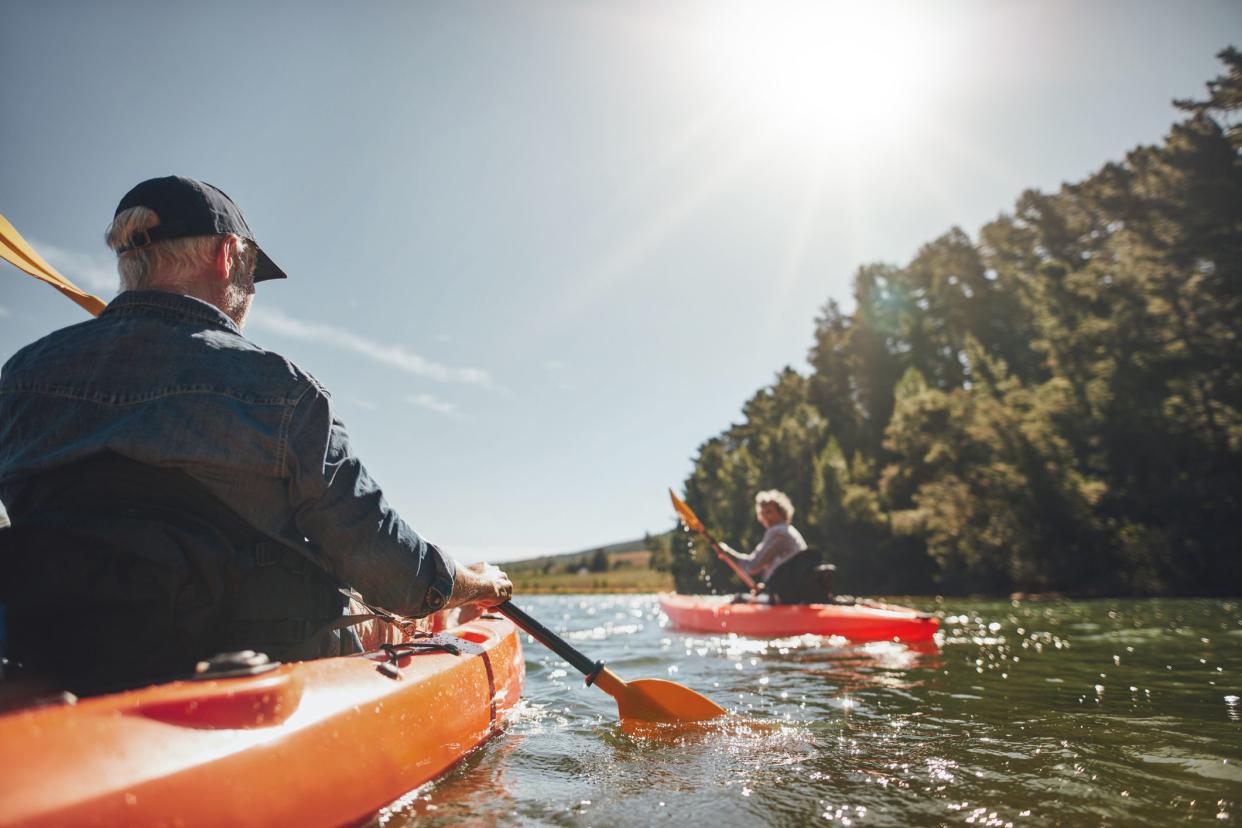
(552,641)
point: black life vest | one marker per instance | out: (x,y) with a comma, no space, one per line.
(115,573)
(801,580)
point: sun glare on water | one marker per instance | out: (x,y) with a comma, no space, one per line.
(822,74)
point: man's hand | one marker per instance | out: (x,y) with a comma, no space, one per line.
(481,584)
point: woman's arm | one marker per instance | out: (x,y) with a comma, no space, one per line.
(774,544)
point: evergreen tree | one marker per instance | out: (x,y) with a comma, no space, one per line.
(599,561)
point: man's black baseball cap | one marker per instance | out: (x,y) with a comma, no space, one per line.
(188,207)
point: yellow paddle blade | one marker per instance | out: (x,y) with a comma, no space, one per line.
(657,700)
(687,514)
(18,252)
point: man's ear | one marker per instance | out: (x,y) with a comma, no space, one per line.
(226,253)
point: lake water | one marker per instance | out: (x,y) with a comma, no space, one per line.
(1112,712)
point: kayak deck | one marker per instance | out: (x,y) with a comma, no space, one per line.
(323,742)
(857,622)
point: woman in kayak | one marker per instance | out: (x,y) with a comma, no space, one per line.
(782,560)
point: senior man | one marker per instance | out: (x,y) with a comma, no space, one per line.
(175,490)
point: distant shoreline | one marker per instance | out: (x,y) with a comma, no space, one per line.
(589,591)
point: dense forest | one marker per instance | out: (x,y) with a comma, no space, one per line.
(1055,405)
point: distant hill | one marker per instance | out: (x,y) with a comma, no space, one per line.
(615,551)
(616,567)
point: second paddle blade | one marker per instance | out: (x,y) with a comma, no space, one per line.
(686,514)
(657,700)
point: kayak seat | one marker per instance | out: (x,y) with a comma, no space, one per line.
(803,579)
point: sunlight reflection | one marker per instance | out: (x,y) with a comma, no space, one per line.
(824,75)
(884,664)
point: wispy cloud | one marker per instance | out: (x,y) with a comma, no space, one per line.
(392,355)
(3,311)
(92,272)
(433,403)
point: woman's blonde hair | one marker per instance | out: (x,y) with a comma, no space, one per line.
(172,263)
(781,500)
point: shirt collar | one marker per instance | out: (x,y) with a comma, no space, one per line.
(176,303)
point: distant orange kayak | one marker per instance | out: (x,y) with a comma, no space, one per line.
(326,742)
(864,621)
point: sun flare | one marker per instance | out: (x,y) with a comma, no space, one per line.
(825,74)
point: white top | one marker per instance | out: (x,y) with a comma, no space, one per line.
(780,543)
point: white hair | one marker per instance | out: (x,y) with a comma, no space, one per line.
(174,263)
(777,497)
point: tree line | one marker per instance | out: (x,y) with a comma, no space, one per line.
(1054,405)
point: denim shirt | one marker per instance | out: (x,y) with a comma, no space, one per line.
(169,380)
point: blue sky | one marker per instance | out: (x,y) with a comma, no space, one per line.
(540,251)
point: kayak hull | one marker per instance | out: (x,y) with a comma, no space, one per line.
(325,742)
(857,622)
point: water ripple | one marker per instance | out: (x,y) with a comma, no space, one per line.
(1021,713)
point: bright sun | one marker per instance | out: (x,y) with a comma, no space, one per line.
(824,73)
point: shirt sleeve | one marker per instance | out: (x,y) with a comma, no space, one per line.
(343,513)
(770,548)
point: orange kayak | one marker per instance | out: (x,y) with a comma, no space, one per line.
(858,622)
(326,742)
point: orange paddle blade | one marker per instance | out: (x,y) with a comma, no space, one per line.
(687,514)
(692,521)
(18,252)
(657,700)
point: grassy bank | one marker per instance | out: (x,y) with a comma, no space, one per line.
(618,568)
(616,580)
